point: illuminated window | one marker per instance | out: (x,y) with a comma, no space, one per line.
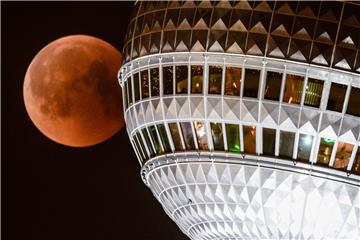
(196,79)
(168,80)
(343,155)
(286,145)
(269,141)
(232,137)
(136,87)
(148,142)
(304,147)
(232,81)
(249,133)
(356,165)
(336,97)
(313,92)
(273,86)
(155,87)
(144,83)
(175,134)
(217,136)
(251,83)
(155,140)
(354,102)
(188,135)
(325,150)
(200,131)
(181,79)
(130,91)
(215,77)
(293,89)
(164,137)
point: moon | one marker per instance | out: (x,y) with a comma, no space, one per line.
(71,92)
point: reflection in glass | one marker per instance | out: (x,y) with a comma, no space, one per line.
(188,135)
(215,77)
(164,137)
(217,136)
(181,79)
(155,87)
(269,141)
(136,87)
(200,131)
(168,80)
(148,142)
(144,83)
(273,86)
(232,137)
(325,150)
(304,148)
(142,144)
(125,94)
(140,151)
(313,92)
(354,102)
(196,79)
(286,146)
(336,97)
(130,91)
(343,155)
(176,136)
(251,83)
(155,140)
(293,88)
(232,81)
(249,133)
(356,165)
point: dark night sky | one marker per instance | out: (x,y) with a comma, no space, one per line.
(53,192)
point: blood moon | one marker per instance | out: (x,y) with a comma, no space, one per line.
(71,91)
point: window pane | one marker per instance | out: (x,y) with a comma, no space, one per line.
(313,92)
(136,87)
(293,88)
(232,81)
(215,77)
(148,142)
(196,79)
(217,136)
(249,139)
(140,151)
(155,87)
(286,147)
(356,165)
(125,93)
(251,83)
(232,137)
(354,102)
(168,80)
(336,97)
(142,144)
(200,131)
(343,155)
(164,137)
(273,86)
(325,149)
(181,79)
(269,141)
(144,83)
(176,136)
(187,135)
(155,140)
(304,148)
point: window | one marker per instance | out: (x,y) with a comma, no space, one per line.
(336,97)
(293,89)
(249,139)
(155,140)
(136,87)
(139,149)
(148,142)
(196,79)
(325,150)
(164,137)
(215,77)
(313,92)
(181,79)
(130,91)
(168,80)
(354,102)
(356,165)
(217,136)
(269,141)
(273,86)
(175,133)
(155,87)
(142,145)
(187,135)
(286,145)
(251,83)
(304,147)
(144,83)
(232,81)
(343,155)
(232,137)
(126,100)
(200,131)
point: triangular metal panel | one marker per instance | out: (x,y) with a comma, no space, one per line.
(231,109)
(184,107)
(158,110)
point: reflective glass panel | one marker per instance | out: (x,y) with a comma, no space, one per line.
(176,136)
(217,136)
(232,81)
(356,165)
(188,135)
(196,79)
(181,79)
(155,140)
(273,86)
(251,83)
(249,133)
(155,87)
(215,77)
(142,144)
(354,102)
(336,97)
(286,145)
(343,155)
(140,151)
(304,147)
(232,137)
(200,131)
(269,141)
(148,142)
(125,94)
(313,92)
(130,91)
(325,150)
(164,137)
(293,88)
(168,80)
(144,83)
(136,87)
